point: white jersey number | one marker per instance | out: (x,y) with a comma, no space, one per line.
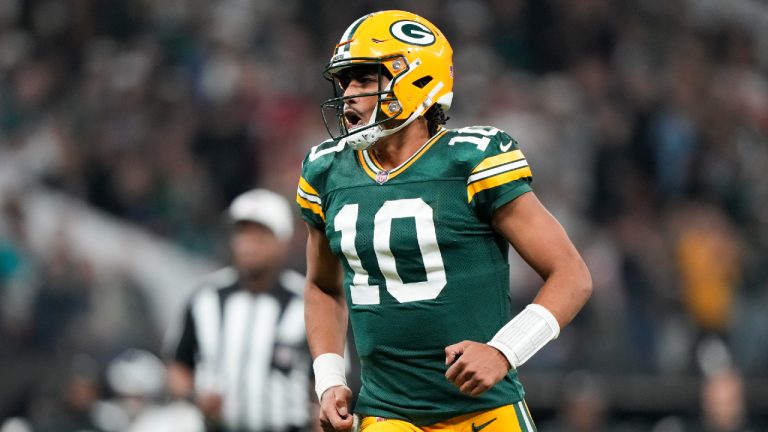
(426,236)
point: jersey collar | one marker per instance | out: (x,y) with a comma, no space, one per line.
(375,171)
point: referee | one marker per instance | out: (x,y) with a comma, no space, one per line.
(242,355)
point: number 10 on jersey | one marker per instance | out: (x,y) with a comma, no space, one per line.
(364,294)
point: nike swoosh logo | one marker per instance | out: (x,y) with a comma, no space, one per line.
(482,426)
(505,147)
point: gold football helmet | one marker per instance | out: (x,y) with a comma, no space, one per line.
(405,47)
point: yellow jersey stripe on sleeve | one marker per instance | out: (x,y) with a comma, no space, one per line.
(499,159)
(306,187)
(497,180)
(313,207)
(308,198)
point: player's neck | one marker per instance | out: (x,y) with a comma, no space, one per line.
(395,149)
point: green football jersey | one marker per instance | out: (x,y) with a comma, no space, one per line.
(423,269)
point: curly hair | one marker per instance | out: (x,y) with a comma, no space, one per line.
(435,117)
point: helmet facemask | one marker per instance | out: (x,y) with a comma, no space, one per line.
(387,105)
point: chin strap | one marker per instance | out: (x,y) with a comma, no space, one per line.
(365,138)
(369,134)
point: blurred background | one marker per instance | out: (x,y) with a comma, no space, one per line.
(127,126)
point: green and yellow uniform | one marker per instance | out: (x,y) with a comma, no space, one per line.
(423,269)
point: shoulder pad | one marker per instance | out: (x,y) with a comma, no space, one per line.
(320,158)
(312,183)
(477,143)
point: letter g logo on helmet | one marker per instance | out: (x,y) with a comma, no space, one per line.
(412,32)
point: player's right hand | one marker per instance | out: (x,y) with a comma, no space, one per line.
(335,415)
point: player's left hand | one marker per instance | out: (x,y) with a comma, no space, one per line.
(474,367)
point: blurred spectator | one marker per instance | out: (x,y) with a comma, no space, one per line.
(722,405)
(242,356)
(137,379)
(723,408)
(69,407)
(710,266)
(17,276)
(62,300)
(584,406)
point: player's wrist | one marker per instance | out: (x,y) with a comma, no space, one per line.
(504,352)
(526,334)
(330,371)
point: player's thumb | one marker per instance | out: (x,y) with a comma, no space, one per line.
(452,352)
(341,405)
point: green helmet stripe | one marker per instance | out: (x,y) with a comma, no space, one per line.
(351,32)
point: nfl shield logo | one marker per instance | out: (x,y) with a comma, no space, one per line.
(382,177)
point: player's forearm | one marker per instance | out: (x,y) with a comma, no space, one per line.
(564,293)
(326,320)
(543,243)
(566,290)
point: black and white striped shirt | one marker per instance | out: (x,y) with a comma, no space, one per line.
(251,349)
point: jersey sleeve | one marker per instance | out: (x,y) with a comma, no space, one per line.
(311,182)
(499,175)
(310,204)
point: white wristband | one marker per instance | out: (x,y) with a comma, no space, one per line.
(526,334)
(330,372)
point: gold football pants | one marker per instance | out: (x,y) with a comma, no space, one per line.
(509,418)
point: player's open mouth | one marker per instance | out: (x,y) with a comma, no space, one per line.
(354,121)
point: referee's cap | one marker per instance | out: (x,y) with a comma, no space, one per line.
(264,207)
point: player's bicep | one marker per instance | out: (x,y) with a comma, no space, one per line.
(324,302)
(324,270)
(534,233)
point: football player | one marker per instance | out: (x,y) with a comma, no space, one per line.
(409,228)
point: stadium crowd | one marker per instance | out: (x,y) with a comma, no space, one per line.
(645,122)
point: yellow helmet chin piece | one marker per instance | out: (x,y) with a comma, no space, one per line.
(407,48)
